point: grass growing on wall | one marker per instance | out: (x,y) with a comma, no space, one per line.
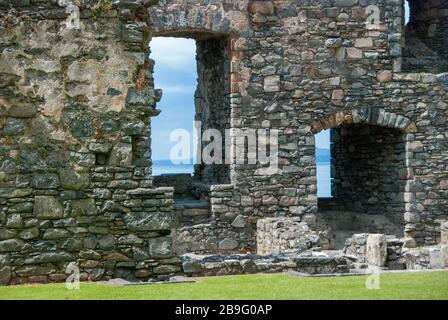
(425,285)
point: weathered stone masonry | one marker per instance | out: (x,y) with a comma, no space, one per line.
(75,109)
(76,184)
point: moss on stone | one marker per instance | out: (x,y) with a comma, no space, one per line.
(102,6)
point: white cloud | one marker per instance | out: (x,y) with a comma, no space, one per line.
(174,53)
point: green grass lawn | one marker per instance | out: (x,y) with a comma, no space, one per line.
(427,285)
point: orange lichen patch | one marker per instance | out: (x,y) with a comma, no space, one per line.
(141,81)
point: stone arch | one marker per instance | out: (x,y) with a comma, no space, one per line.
(370,116)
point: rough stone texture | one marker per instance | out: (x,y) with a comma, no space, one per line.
(426,36)
(426,258)
(282,235)
(444,232)
(305,262)
(376,250)
(74,125)
(334,79)
(74,115)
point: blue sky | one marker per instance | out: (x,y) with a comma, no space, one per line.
(175,73)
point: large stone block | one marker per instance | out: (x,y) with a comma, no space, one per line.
(435,258)
(5,275)
(50,257)
(47,207)
(72,180)
(376,250)
(150,221)
(160,247)
(445,256)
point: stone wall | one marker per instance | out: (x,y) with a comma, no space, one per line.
(75,108)
(314,263)
(429,21)
(76,187)
(376,249)
(282,235)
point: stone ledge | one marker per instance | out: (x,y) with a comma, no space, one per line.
(308,262)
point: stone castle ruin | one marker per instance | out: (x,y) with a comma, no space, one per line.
(76,100)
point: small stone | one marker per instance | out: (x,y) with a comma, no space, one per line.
(22,111)
(228,244)
(50,257)
(14,221)
(191,266)
(165,269)
(140,254)
(444,233)
(72,180)
(353,53)
(239,222)
(160,247)
(101,148)
(384,76)
(364,43)
(107,243)
(29,234)
(45,181)
(84,207)
(7,234)
(90,242)
(272,84)
(11,245)
(134,128)
(262,7)
(53,234)
(149,221)
(5,275)
(121,155)
(337,94)
(409,243)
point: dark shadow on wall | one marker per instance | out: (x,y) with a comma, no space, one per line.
(426,37)
(370,176)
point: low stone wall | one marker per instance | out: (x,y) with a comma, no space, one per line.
(434,257)
(308,262)
(376,249)
(282,235)
(127,238)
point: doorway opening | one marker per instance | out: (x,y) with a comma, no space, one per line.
(369,180)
